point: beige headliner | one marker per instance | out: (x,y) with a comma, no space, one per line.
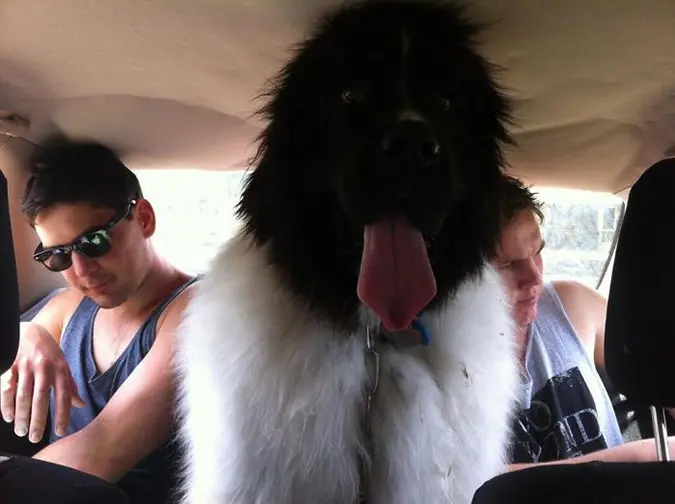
(170,83)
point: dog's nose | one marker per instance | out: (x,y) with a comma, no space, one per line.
(411,142)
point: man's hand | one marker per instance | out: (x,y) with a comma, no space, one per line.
(25,387)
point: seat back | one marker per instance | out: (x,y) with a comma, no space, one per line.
(640,328)
(9,297)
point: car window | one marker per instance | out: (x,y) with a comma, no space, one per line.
(195,212)
(580,229)
(195,216)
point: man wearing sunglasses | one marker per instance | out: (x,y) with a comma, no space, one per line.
(93,370)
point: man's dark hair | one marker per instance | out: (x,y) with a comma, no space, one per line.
(77,172)
(515,197)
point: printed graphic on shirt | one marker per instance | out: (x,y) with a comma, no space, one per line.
(562,422)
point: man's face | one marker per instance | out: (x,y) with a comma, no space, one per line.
(113,277)
(520,265)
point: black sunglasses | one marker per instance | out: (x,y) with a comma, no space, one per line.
(93,243)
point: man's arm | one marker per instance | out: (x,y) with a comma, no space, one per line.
(597,306)
(137,420)
(38,366)
(643,450)
(587,311)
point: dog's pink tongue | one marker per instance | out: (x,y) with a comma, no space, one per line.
(396,280)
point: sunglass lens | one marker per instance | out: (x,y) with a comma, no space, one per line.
(94,244)
(59,261)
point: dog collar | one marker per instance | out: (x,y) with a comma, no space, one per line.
(415,335)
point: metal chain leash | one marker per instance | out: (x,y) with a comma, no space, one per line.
(373,371)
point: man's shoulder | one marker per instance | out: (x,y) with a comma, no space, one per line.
(55,313)
(61,298)
(568,287)
(585,307)
(67,301)
(183,298)
(573,293)
(173,313)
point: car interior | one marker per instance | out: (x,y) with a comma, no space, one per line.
(173,86)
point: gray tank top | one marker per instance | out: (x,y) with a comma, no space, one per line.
(565,409)
(152,480)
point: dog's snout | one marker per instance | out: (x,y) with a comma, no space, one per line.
(411,142)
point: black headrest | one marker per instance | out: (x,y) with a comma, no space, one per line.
(589,483)
(9,288)
(640,328)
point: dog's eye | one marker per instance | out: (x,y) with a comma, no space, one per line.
(353,96)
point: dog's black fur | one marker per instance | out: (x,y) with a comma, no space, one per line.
(322,168)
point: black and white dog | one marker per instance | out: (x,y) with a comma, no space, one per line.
(351,343)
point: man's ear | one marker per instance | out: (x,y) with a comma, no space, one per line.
(146,217)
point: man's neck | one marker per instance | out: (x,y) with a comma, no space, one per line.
(161,279)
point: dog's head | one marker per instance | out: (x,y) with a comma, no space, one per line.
(379,163)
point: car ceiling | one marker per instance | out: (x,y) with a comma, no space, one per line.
(171,83)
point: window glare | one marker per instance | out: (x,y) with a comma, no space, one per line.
(195,212)
(195,216)
(579,228)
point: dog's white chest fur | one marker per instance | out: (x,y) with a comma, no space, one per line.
(272,397)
